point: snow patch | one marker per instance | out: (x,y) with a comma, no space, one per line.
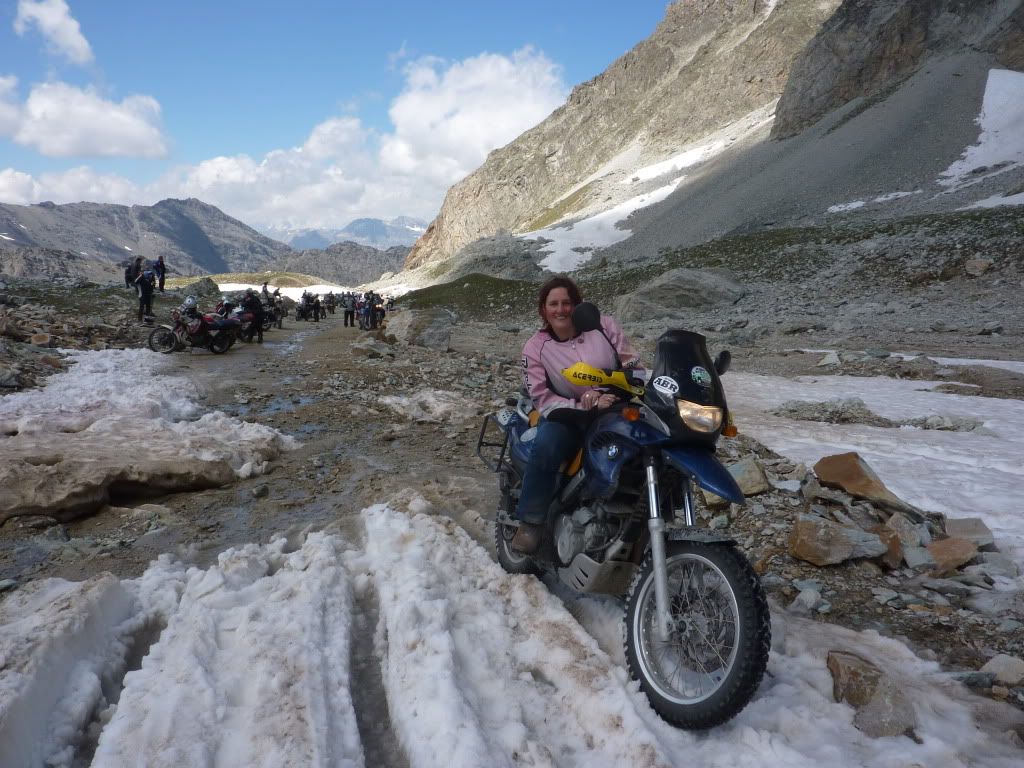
(1000,144)
(252,669)
(571,245)
(677,163)
(997,200)
(961,474)
(482,666)
(886,198)
(124,396)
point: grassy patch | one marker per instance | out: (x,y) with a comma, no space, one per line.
(475,296)
(278,279)
(567,205)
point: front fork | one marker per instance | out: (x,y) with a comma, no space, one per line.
(656,526)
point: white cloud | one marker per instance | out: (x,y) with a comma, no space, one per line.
(55,22)
(70,186)
(18,188)
(60,120)
(449,117)
(83,183)
(445,121)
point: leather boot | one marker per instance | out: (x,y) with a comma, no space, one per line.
(527,538)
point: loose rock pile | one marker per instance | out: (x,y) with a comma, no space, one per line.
(833,542)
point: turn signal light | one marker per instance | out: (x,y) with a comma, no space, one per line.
(631,414)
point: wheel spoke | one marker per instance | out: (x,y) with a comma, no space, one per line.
(697,657)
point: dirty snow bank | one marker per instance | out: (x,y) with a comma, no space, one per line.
(251,669)
(485,668)
(123,400)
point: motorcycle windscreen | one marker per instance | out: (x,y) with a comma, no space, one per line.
(683,369)
(705,469)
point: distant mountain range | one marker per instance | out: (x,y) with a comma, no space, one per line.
(379,233)
(95,239)
(348,263)
(192,236)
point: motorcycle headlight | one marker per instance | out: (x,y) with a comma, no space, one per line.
(700,418)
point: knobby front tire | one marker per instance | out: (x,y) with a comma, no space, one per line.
(719,637)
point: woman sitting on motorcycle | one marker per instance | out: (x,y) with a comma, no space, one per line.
(554,347)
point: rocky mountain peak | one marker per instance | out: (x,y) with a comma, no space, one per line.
(706,64)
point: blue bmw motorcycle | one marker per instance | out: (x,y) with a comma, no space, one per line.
(697,625)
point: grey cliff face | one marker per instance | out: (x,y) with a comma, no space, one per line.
(867,48)
(708,63)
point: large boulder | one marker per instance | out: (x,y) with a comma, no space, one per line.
(431,328)
(676,291)
(822,542)
(849,472)
(204,287)
(882,707)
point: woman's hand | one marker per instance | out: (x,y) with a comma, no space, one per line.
(594,399)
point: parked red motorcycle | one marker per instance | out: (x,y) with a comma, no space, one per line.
(193,329)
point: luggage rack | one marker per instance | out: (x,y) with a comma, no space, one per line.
(491,447)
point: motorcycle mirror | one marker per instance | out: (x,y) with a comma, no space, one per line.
(586,317)
(723,361)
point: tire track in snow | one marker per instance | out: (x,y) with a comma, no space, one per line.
(485,668)
(252,669)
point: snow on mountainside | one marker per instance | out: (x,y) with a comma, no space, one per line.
(876,131)
(707,65)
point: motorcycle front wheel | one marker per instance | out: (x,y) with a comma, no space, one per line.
(162,340)
(220,343)
(719,636)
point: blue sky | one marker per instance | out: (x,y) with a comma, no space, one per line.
(285,114)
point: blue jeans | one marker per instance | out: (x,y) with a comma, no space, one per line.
(554,444)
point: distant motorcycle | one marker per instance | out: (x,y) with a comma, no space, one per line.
(192,328)
(308,310)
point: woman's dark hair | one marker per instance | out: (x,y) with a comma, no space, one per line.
(558,281)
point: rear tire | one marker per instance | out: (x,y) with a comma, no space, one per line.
(719,640)
(163,340)
(508,558)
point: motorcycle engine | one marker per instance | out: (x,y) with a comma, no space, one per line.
(585,530)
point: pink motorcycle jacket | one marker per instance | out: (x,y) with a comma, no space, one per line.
(544,358)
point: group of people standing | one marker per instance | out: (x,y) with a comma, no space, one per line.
(369,309)
(145,277)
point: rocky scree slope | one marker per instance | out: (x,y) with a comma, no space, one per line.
(706,65)
(868,48)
